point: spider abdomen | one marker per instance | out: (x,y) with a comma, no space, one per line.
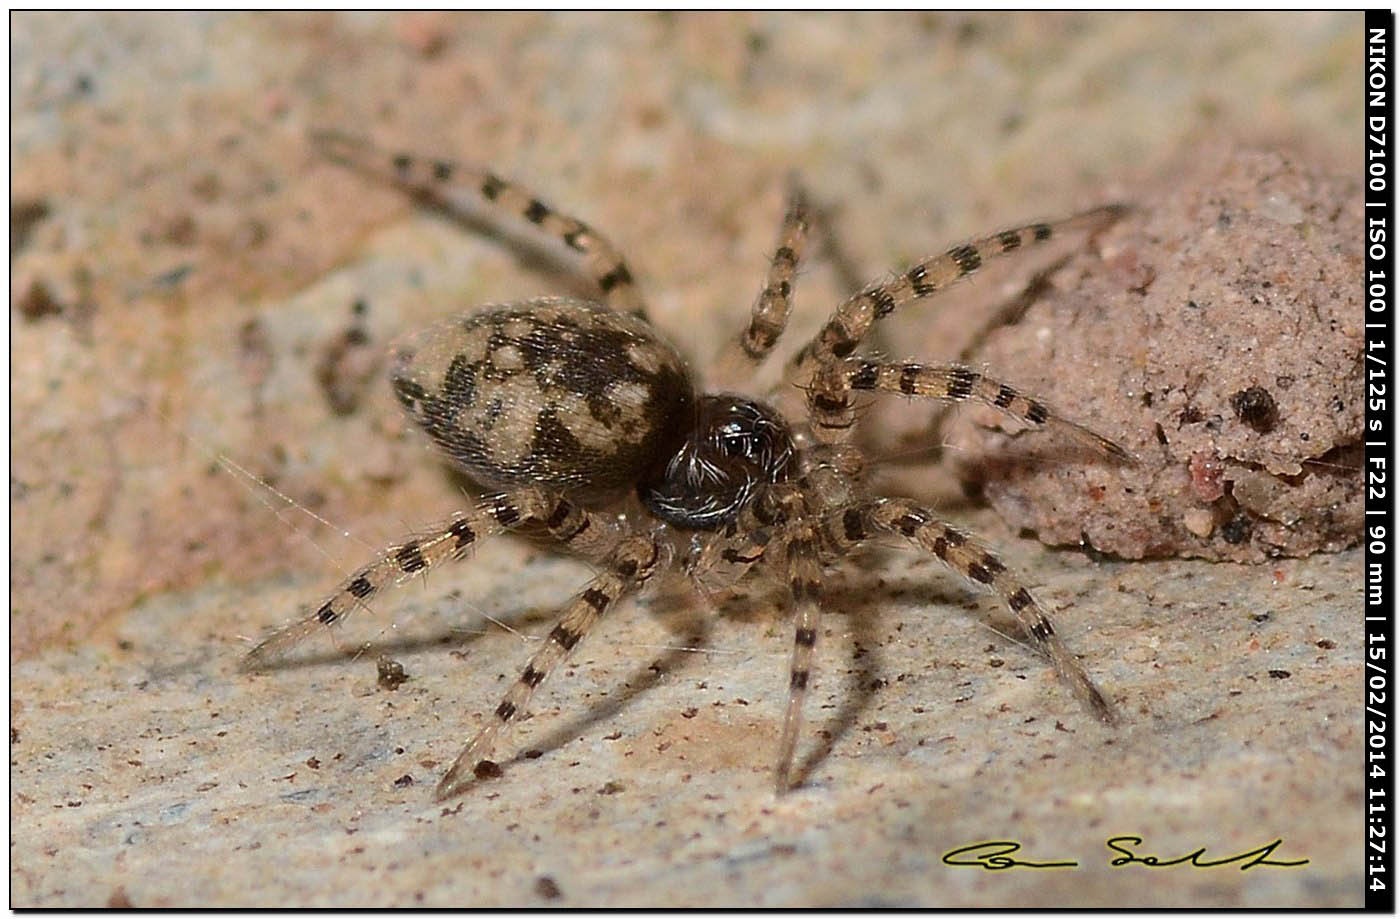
(556,392)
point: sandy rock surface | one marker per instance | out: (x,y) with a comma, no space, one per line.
(193,288)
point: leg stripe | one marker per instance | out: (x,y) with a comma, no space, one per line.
(866,376)
(979,574)
(463,531)
(883,301)
(961,382)
(360,588)
(619,275)
(757,342)
(917,279)
(491,188)
(410,558)
(564,638)
(968,259)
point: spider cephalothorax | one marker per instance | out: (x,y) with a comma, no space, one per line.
(735,447)
(564,405)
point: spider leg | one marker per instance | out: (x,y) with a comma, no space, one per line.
(833,414)
(462,190)
(847,527)
(457,538)
(777,524)
(774,304)
(634,561)
(805,582)
(852,320)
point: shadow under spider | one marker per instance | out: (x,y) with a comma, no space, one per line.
(852,601)
(685,615)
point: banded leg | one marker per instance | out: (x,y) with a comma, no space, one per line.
(774,305)
(805,582)
(566,521)
(833,413)
(852,320)
(635,560)
(967,556)
(461,190)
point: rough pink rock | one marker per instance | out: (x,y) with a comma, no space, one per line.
(1215,332)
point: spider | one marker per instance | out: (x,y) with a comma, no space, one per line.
(583,422)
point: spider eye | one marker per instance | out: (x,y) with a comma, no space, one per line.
(733,439)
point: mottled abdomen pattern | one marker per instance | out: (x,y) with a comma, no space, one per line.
(556,392)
